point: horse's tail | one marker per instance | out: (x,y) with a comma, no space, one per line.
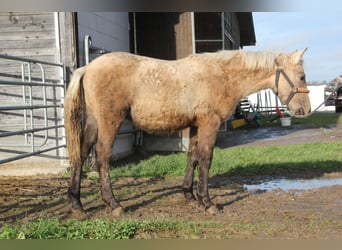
(73,112)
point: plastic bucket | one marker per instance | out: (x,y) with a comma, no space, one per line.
(286,121)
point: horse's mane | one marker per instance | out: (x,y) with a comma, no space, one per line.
(259,60)
(251,59)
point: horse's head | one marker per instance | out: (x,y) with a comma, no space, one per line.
(290,84)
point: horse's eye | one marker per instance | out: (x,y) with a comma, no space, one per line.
(302,77)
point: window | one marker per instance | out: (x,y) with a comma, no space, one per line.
(213,31)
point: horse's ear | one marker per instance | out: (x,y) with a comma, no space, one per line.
(297,56)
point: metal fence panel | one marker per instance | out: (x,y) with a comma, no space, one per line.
(31,113)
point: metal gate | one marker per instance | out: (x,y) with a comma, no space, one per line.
(31,114)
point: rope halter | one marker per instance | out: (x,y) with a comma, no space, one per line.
(294,89)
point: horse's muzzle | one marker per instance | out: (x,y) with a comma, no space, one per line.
(300,113)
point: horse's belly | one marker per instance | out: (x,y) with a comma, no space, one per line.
(162,122)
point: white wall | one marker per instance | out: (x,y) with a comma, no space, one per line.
(316,98)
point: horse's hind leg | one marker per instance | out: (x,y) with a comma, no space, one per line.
(87,141)
(106,135)
(192,162)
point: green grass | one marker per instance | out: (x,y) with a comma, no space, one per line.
(101,229)
(273,160)
(320,119)
(154,166)
(54,229)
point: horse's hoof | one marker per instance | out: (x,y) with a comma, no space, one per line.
(118,212)
(77,210)
(212,210)
(189,198)
(79,214)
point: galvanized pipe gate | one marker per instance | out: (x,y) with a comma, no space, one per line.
(31,97)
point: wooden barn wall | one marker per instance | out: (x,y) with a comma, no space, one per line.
(163,35)
(183,33)
(35,36)
(155,36)
(28,35)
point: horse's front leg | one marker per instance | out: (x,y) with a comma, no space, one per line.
(206,140)
(192,162)
(203,177)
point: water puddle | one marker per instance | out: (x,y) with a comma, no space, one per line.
(295,184)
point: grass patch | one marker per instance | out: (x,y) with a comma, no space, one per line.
(273,160)
(102,229)
(154,166)
(320,119)
(278,160)
(54,229)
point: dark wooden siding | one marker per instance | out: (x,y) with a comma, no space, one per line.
(235,33)
(155,34)
(164,35)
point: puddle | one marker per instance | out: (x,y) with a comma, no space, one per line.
(245,136)
(295,184)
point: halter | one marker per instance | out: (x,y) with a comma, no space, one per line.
(294,89)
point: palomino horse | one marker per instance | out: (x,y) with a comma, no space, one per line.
(199,91)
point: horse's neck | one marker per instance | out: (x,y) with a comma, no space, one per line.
(253,83)
(247,79)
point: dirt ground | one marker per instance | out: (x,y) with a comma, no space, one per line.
(314,213)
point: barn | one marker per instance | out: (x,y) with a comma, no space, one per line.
(39,51)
